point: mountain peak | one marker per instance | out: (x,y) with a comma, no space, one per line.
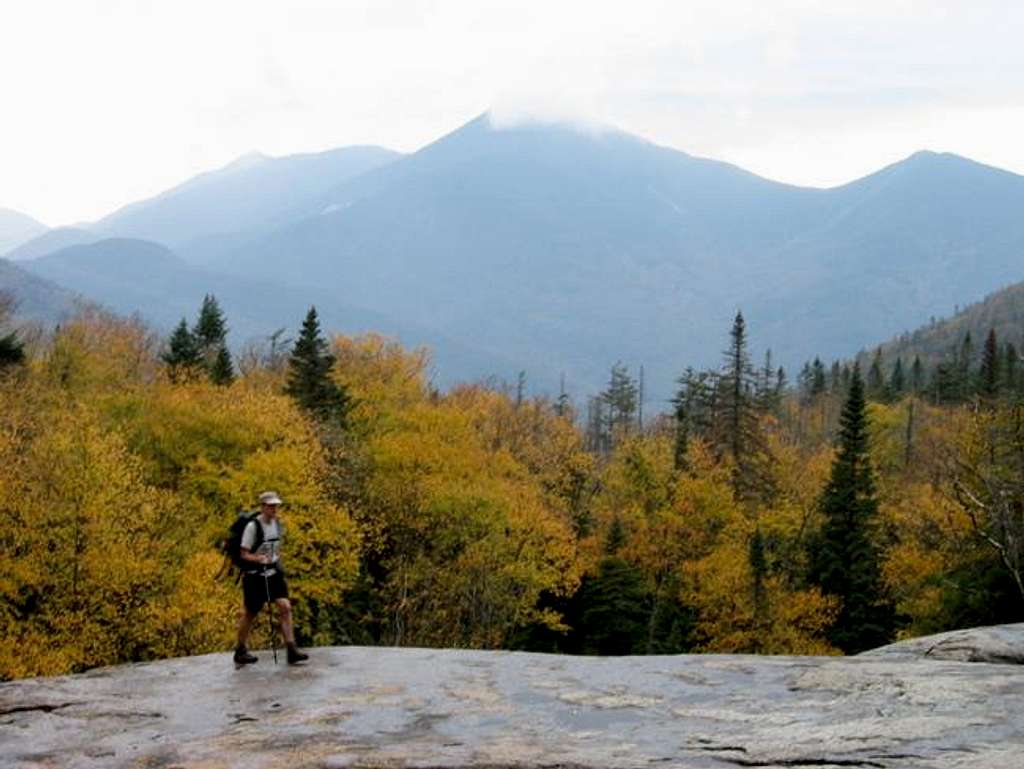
(248,160)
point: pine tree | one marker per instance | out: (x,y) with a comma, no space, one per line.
(563,405)
(847,563)
(817,377)
(737,425)
(989,375)
(211,331)
(694,406)
(615,604)
(309,375)
(835,378)
(223,371)
(917,375)
(897,381)
(182,356)
(621,398)
(1010,373)
(876,389)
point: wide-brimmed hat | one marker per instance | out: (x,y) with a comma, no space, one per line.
(270,498)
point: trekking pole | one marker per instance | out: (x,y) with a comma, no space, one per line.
(270,615)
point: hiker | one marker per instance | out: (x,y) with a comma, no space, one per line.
(263,579)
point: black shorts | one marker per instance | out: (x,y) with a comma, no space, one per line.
(255,588)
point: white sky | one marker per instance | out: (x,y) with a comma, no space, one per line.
(108,101)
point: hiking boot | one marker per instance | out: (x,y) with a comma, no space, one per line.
(242,656)
(294,655)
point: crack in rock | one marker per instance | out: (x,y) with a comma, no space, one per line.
(41,708)
(804,762)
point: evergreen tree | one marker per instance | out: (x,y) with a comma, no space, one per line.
(897,380)
(621,399)
(223,371)
(614,602)
(768,394)
(563,405)
(182,355)
(847,563)
(804,382)
(917,375)
(818,383)
(737,425)
(1011,375)
(694,405)
(989,374)
(835,379)
(309,375)
(598,439)
(210,332)
(876,381)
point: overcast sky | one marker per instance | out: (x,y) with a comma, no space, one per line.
(108,101)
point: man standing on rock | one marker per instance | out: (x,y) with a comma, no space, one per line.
(263,581)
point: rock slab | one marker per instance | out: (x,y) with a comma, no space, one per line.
(364,708)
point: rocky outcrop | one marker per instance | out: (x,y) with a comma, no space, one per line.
(351,708)
(999,645)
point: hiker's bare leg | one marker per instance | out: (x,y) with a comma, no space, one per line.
(245,620)
(284,611)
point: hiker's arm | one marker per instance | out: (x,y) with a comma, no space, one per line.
(253,557)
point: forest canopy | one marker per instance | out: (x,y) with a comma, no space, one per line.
(751,517)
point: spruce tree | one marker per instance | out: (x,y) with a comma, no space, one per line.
(309,375)
(737,425)
(223,371)
(614,603)
(211,331)
(621,398)
(897,380)
(989,375)
(1010,373)
(876,389)
(818,383)
(694,406)
(847,563)
(182,355)
(917,375)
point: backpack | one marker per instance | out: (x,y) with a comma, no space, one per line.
(231,546)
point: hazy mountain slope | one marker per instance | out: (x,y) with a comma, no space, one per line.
(572,250)
(909,242)
(248,197)
(16,228)
(36,299)
(936,341)
(565,249)
(50,241)
(130,275)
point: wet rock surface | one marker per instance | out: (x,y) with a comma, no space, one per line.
(356,708)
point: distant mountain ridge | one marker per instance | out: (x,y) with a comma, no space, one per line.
(129,275)
(37,300)
(16,228)
(558,251)
(251,195)
(940,339)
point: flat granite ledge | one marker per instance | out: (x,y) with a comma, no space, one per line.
(378,708)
